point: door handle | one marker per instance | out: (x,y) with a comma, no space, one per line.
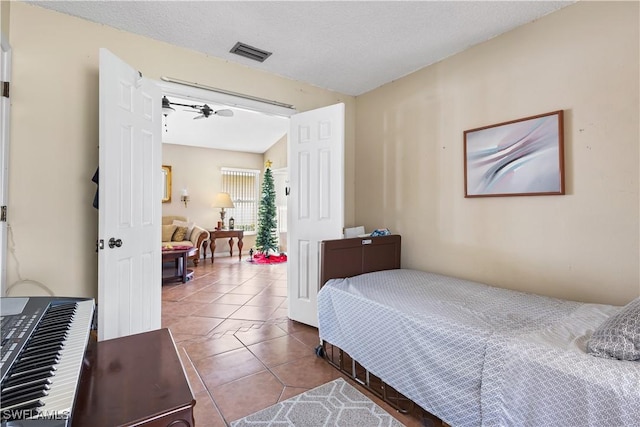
(114,243)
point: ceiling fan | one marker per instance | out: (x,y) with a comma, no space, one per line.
(204,110)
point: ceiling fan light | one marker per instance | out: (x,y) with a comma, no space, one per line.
(206,110)
(166,106)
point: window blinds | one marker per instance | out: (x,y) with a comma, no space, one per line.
(243,185)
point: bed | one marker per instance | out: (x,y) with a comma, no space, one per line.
(468,353)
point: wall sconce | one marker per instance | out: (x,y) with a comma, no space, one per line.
(184,198)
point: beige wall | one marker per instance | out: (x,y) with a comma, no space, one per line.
(54,135)
(198,170)
(5,8)
(409,170)
(277,153)
(408,175)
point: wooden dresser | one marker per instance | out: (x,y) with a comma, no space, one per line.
(137,380)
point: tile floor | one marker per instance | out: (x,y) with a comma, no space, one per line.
(240,351)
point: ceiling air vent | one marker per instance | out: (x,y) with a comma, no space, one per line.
(250,52)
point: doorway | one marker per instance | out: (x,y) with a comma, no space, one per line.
(199,150)
(315,142)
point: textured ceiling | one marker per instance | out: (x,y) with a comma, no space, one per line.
(347,46)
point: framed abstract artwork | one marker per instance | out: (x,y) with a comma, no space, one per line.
(523,157)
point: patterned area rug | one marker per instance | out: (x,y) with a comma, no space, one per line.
(333,404)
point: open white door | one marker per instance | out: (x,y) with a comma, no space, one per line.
(5,107)
(316,202)
(129,258)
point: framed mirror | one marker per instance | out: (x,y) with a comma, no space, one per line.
(166,184)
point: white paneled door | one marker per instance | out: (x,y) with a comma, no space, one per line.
(129,258)
(5,108)
(316,202)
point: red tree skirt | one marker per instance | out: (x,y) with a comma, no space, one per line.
(271,259)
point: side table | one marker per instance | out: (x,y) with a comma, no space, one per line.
(222,234)
(181,257)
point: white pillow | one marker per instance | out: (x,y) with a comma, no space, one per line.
(189,226)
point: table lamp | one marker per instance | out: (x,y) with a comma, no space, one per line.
(222,201)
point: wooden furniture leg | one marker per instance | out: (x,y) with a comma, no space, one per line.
(184,258)
(231,246)
(204,249)
(240,244)
(212,248)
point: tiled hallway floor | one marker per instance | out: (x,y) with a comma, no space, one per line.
(240,351)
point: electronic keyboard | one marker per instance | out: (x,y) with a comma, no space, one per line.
(44,340)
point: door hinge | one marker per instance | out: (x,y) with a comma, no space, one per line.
(5,89)
(3,214)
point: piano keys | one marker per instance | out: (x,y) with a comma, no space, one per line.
(52,375)
(43,342)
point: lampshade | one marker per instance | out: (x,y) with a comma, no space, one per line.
(223,200)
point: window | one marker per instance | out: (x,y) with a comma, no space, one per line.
(243,185)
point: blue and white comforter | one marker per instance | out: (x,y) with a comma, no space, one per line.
(477,355)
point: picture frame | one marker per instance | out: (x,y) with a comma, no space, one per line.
(166,184)
(523,157)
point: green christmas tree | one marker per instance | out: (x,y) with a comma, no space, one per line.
(266,239)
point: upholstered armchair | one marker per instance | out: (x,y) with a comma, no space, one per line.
(179,231)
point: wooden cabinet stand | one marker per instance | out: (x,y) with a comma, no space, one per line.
(137,380)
